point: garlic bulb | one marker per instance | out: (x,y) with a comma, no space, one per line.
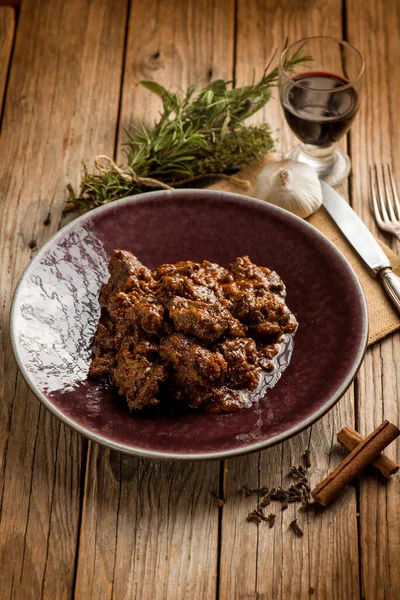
(291,185)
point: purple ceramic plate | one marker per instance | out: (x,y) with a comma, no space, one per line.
(55,313)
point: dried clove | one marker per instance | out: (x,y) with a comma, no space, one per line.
(254,517)
(271,520)
(260,514)
(299,492)
(267,498)
(285,501)
(295,492)
(250,492)
(307,458)
(296,528)
(297,472)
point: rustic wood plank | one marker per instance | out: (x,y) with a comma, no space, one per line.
(324,563)
(374,28)
(58,109)
(7,30)
(175,47)
(150,529)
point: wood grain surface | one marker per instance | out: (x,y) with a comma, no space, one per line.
(374,28)
(7,29)
(176,44)
(278,564)
(142,516)
(78,520)
(58,109)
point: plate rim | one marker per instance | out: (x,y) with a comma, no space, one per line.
(215,455)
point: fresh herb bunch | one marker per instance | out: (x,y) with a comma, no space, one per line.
(200,133)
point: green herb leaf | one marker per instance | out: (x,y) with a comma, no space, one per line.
(199,133)
(154,87)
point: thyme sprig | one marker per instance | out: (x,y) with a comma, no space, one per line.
(199,133)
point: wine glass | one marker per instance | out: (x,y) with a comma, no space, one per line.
(320,98)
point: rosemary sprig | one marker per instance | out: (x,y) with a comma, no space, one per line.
(199,133)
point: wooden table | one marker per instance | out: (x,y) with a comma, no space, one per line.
(76,518)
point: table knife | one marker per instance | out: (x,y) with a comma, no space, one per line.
(362,241)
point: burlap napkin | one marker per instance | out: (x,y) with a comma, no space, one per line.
(383,317)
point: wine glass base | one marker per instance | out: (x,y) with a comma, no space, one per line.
(333,170)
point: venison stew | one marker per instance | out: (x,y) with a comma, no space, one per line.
(191,334)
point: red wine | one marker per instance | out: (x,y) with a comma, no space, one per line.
(319,115)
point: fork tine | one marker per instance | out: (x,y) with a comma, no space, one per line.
(394,191)
(387,196)
(375,207)
(385,216)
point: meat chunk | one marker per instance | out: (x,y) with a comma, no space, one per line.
(126,273)
(101,366)
(244,269)
(104,348)
(191,280)
(192,333)
(104,335)
(193,365)
(257,299)
(138,379)
(241,357)
(146,312)
(203,320)
(205,273)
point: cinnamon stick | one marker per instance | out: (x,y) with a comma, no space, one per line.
(355,462)
(350,438)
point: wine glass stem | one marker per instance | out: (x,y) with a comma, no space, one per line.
(324,157)
(331,163)
(321,159)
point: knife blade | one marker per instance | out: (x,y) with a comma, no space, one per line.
(354,229)
(362,241)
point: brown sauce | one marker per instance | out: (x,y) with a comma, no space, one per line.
(196,334)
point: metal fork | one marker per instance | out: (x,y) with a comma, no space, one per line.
(385,203)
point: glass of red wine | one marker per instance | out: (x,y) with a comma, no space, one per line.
(320,98)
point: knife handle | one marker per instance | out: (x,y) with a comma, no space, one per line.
(391,283)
